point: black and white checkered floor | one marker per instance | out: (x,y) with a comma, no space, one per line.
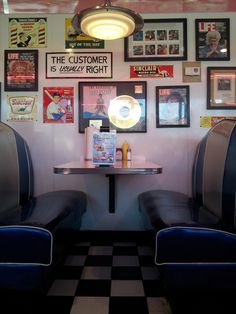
(102,276)
(107,273)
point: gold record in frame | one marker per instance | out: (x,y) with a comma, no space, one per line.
(124,111)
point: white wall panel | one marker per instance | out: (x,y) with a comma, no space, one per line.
(173,148)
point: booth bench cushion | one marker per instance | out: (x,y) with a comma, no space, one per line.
(31,226)
(214,187)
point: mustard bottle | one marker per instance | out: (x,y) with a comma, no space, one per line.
(125,147)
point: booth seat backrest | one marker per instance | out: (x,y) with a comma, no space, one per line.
(16,175)
(197,173)
(219,171)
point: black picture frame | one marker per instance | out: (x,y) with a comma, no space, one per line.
(79,65)
(221,88)
(217,30)
(160,39)
(172,106)
(122,91)
(21,70)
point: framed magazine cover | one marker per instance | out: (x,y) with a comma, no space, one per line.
(121,106)
(21,70)
(212,39)
(221,88)
(172,106)
(160,39)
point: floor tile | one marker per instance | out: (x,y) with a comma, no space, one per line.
(124,244)
(146,260)
(126,305)
(82,243)
(93,288)
(94,260)
(127,288)
(96,272)
(78,250)
(57,305)
(159,306)
(100,250)
(150,273)
(62,287)
(125,261)
(75,260)
(125,250)
(153,288)
(128,273)
(69,272)
(145,250)
(90,305)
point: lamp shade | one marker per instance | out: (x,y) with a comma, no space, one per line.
(107,22)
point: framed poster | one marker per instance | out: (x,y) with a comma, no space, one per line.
(164,39)
(212,39)
(58,104)
(28,32)
(221,88)
(75,40)
(118,105)
(22,108)
(172,106)
(21,70)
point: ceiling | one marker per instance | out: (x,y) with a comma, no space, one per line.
(141,6)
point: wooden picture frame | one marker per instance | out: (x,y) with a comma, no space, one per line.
(172,106)
(221,87)
(212,39)
(160,39)
(113,105)
(21,70)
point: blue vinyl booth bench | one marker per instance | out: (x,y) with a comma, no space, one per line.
(195,236)
(31,228)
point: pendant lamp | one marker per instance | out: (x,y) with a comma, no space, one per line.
(107,22)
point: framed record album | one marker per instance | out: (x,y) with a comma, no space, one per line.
(121,106)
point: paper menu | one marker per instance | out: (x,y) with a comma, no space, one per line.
(104,148)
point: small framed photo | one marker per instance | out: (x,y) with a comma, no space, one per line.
(221,88)
(172,106)
(164,39)
(21,70)
(121,106)
(212,39)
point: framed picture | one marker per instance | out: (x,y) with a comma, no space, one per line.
(164,39)
(212,39)
(221,88)
(172,106)
(83,65)
(121,106)
(21,70)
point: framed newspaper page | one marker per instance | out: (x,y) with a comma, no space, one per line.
(221,88)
